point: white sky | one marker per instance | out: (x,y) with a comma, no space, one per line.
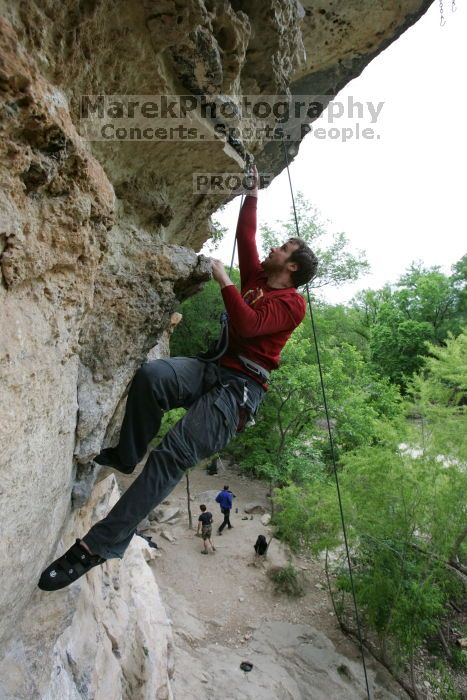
(402,197)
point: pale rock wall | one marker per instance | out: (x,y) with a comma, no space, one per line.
(106,637)
(91,234)
(82,301)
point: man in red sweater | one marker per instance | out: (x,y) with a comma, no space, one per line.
(219,396)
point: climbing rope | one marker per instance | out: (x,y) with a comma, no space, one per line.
(235,239)
(248,164)
(331,441)
(328,422)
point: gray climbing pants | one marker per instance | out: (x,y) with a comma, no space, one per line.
(213,396)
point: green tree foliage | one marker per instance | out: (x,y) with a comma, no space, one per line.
(339,324)
(401,463)
(439,398)
(290,441)
(218,233)
(398,343)
(424,306)
(200,323)
(404,510)
(431,296)
(337,264)
(439,403)
(287,580)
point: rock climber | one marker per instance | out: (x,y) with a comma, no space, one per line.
(220,397)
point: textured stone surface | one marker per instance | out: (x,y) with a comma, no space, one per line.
(289,661)
(105,637)
(52,231)
(82,302)
(96,240)
(164,515)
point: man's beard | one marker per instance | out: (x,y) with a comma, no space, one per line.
(269,266)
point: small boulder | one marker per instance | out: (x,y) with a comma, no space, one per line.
(254,508)
(167,536)
(266,519)
(164,515)
(150,554)
(278,553)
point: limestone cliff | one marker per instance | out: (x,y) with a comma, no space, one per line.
(107,637)
(97,239)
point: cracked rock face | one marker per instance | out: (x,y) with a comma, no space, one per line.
(97,239)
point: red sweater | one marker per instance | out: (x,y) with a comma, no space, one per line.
(261,319)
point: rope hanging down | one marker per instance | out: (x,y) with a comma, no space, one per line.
(331,441)
(249,160)
(235,239)
(219,347)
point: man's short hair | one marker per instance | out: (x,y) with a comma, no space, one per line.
(306,260)
(203,507)
(226,488)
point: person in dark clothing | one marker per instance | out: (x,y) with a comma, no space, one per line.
(219,396)
(224,499)
(261,546)
(205,526)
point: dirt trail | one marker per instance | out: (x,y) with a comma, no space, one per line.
(224,611)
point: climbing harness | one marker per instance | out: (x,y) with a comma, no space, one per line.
(255,369)
(331,441)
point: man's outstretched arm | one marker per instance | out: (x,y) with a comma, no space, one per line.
(248,258)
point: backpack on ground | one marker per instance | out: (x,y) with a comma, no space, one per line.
(261,545)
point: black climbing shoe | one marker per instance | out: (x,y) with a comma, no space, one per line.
(68,568)
(108,457)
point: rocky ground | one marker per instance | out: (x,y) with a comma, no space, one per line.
(224,610)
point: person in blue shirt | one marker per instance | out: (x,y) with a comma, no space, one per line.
(224,499)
